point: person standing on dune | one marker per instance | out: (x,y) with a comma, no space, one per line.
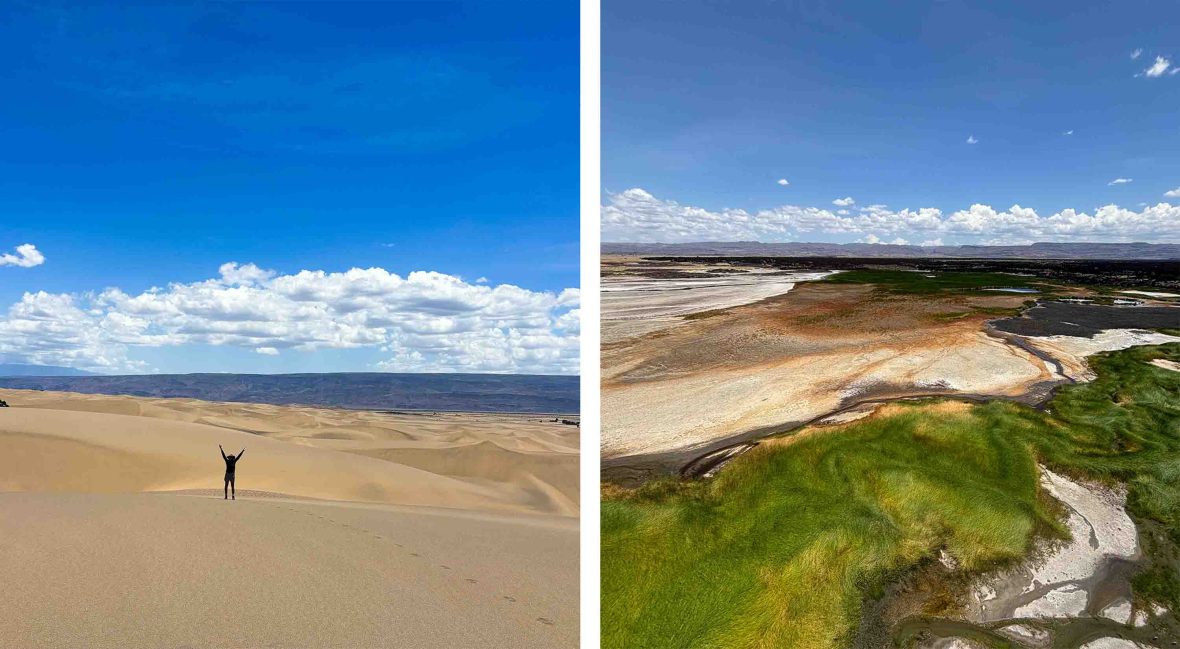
(231,462)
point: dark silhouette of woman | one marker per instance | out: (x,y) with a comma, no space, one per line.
(231,462)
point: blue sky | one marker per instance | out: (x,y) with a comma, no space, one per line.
(146,146)
(706,106)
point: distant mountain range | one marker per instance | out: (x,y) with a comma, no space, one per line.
(1125,251)
(373,391)
(21,369)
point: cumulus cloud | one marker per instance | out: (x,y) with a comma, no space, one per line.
(971,139)
(1173,193)
(423,322)
(1119,181)
(1138,51)
(1158,68)
(1069,132)
(874,239)
(843,202)
(26,256)
(248,275)
(783,181)
(635,215)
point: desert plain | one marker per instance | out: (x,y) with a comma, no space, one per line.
(351,528)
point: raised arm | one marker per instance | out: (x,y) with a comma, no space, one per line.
(222,451)
(241,452)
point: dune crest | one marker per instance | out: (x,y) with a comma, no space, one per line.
(57,441)
(351,528)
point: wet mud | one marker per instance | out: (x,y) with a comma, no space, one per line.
(1063,319)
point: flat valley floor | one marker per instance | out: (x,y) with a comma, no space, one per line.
(915,453)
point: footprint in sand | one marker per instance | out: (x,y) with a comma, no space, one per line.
(444,567)
(471,581)
(545,621)
(511,599)
(415,554)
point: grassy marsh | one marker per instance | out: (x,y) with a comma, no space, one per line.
(785,545)
(918,282)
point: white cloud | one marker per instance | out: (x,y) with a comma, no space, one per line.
(481,280)
(971,139)
(1119,181)
(424,322)
(1158,68)
(931,242)
(635,215)
(248,275)
(1136,53)
(1173,193)
(783,181)
(26,256)
(843,202)
(1069,132)
(874,239)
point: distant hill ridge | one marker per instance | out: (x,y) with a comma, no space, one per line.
(22,369)
(382,391)
(1141,251)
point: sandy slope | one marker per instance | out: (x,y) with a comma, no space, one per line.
(465,460)
(351,529)
(167,570)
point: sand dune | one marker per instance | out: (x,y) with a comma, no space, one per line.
(488,462)
(56,450)
(165,570)
(351,529)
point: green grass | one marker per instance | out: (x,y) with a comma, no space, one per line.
(908,282)
(784,546)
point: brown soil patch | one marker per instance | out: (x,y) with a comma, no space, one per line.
(794,357)
(812,318)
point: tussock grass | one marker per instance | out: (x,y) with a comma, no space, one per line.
(784,546)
